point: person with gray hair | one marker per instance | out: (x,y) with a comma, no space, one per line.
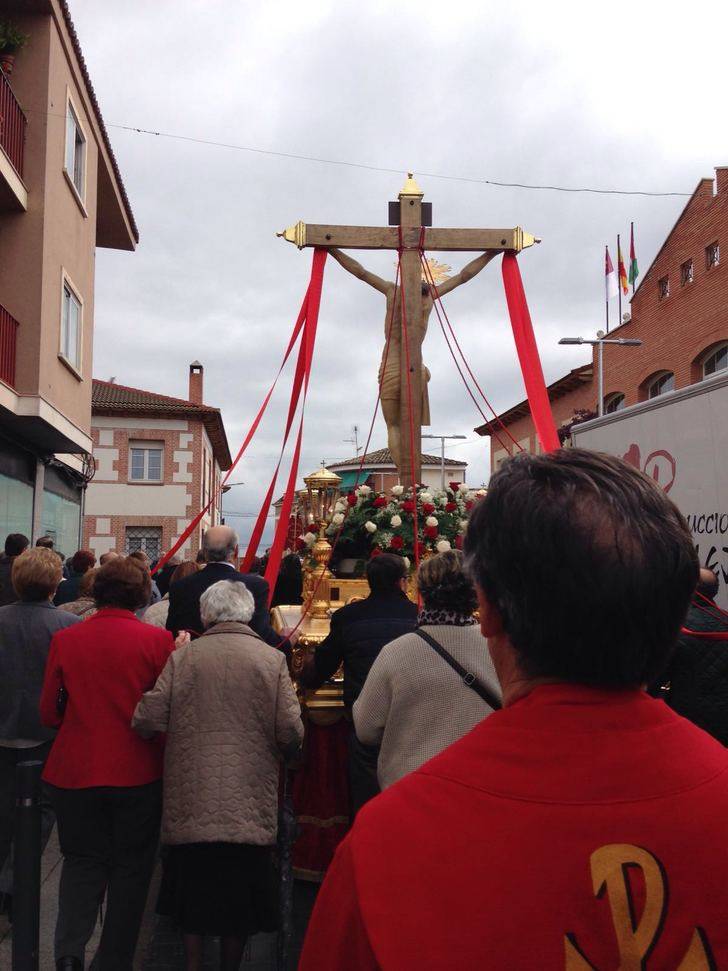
(220,544)
(230,714)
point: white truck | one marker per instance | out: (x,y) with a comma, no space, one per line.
(680,439)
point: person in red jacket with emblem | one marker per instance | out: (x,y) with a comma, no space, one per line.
(104,780)
(584,825)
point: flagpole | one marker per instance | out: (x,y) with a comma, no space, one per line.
(631,248)
(606,286)
(619,281)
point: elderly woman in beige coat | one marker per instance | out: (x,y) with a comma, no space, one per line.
(230,712)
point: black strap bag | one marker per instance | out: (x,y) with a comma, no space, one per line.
(468,678)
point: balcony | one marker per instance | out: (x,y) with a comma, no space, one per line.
(13,194)
(8,332)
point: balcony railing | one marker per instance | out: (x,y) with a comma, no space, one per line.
(8,334)
(12,125)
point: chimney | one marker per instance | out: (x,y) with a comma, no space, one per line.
(721,179)
(196,375)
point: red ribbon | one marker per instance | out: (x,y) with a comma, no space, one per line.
(527,349)
(298,327)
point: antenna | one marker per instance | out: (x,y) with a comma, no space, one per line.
(354,440)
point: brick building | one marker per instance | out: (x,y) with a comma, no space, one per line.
(679,312)
(158,462)
(380,472)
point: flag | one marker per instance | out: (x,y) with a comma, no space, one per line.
(633,270)
(610,277)
(622,273)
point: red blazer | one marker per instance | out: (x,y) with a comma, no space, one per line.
(105,665)
(576,829)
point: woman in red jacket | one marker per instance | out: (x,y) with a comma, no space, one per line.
(104,780)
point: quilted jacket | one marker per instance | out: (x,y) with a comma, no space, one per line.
(230,712)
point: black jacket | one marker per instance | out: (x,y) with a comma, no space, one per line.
(184,601)
(7,590)
(68,589)
(698,676)
(358,633)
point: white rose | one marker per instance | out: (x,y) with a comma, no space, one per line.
(309,538)
(340,506)
(397,490)
(395,521)
(431,521)
(463,525)
(462,488)
(338,518)
(443,546)
(426,496)
(363,490)
(370,527)
(407,563)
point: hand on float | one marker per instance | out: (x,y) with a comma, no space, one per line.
(182,638)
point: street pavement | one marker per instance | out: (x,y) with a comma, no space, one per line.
(160,946)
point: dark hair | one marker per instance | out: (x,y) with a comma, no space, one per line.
(200,558)
(707,585)
(290,567)
(140,556)
(45,541)
(445,585)
(15,544)
(86,584)
(122,582)
(384,572)
(82,560)
(589,564)
(255,565)
(182,570)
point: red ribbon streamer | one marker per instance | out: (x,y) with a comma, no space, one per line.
(527,349)
(309,338)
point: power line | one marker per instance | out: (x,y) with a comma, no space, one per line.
(322,160)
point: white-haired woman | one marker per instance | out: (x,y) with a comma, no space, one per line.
(230,712)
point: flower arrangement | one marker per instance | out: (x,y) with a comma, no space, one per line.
(381,522)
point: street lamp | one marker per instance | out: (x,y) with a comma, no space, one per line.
(599,342)
(442,454)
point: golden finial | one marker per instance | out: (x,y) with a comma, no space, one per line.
(410,188)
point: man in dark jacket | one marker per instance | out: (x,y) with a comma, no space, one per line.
(15,544)
(358,633)
(220,544)
(696,679)
(81,562)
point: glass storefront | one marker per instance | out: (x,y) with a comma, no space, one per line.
(16,507)
(60,520)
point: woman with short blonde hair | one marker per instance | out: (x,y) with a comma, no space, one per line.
(415,702)
(36,575)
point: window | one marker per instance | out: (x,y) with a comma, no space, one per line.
(145,461)
(663,287)
(716,361)
(712,255)
(614,402)
(145,538)
(75,152)
(661,384)
(686,273)
(71,327)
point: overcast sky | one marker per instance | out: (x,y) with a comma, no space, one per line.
(567,94)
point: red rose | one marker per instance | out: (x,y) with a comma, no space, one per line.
(450,506)
(469,504)
(397,543)
(375,552)
(430,532)
(428,508)
(454,486)
(300,543)
(408,505)
(380,501)
(459,541)
(351,498)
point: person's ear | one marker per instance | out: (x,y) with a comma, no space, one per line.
(491,622)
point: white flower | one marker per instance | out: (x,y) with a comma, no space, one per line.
(337,519)
(363,490)
(340,506)
(463,488)
(397,490)
(407,563)
(443,546)
(370,527)
(463,525)
(442,500)
(395,521)
(482,492)
(309,538)
(431,521)
(426,496)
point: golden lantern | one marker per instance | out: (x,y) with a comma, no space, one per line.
(318,500)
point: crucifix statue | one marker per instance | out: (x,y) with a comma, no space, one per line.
(403,395)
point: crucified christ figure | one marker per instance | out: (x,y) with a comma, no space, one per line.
(390,370)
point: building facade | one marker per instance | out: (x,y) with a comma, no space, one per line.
(61,196)
(380,472)
(679,312)
(158,463)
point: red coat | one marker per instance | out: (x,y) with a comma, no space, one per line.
(536,842)
(105,664)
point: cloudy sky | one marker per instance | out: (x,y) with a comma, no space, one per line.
(567,94)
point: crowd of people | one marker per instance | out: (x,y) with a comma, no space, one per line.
(524,792)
